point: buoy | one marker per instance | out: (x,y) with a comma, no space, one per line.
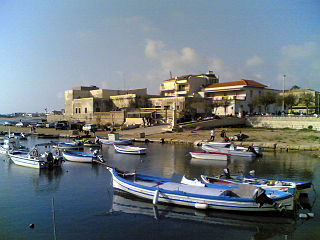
(201,206)
(155,197)
(31,225)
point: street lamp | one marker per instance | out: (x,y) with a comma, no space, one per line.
(284,76)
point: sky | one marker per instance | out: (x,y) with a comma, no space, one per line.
(48,47)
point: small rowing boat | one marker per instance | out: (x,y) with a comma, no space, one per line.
(84,157)
(210,155)
(130,149)
(267,183)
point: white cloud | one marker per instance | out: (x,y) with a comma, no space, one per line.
(254,61)
(185,61)
(301,64)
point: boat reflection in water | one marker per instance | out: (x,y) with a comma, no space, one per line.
(259,226)
(43,180)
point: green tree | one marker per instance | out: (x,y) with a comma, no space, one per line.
(267,99)
(252,104)
(307,99)
(290,101)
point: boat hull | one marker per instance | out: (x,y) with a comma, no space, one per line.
(130,150)
(210,155)
(75,157)
(116,142)
(27,162)
(239,153)
(179,197)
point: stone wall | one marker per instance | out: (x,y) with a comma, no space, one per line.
(213,123)
(114,117)
(284,122)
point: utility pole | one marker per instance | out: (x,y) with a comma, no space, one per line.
(284,76)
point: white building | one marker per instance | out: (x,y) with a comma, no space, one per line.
(241,95)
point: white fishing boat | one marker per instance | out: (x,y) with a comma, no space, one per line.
(84,157)
(41,156)
(232,150)
(130,149)
(201,196)
(11,144)
(75,145)
(210,155)
(113,138)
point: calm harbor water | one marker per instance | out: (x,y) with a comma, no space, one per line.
(86,207)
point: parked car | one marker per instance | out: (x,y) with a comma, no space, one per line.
(90,127)
(41,124)
(7,124)
(63,125)
(50,125)
(20,124)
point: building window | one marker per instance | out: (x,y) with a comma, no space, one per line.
(76,110)
(79,110)
(85,110)
(97,109)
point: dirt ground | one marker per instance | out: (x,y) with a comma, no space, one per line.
(291,137)
(279,136)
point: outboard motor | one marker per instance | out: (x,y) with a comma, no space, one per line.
(261,198)
(50,159)
(226,172)
(95,153)
(251,149)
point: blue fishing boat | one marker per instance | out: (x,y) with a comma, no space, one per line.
(267,183)
(201,196)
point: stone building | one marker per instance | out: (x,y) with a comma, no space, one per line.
(187,85)
(300,107)
(89,100)
(91,104)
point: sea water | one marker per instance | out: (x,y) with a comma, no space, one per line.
(86,207)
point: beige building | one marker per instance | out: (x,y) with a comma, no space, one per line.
(300,107)
(89,100)
(241,96)
(187,85)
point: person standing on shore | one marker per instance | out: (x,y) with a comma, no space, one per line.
(212,134)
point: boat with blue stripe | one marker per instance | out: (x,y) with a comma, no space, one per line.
(200,195)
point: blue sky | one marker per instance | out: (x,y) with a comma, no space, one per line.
(47,47)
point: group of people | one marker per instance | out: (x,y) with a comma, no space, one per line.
(147,121)
(223,135)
